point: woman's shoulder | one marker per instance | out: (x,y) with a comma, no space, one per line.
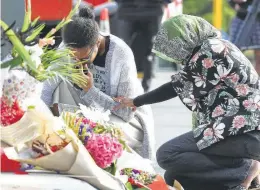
(118,45)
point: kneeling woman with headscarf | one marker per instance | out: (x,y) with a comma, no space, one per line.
(219,84)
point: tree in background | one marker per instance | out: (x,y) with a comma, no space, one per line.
(204,8)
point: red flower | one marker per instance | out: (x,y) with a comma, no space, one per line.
(56,148)
(9,165)
(10,114)
(133,182)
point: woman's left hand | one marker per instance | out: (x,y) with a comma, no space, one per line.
(87,77)
(123,103)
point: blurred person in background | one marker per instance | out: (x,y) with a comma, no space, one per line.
(241,7)
(138,24)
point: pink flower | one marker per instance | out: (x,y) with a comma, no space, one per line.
(104,149)
(46,41)
(208,63)
(208,132)
(218,111)
(195,58)
(239,122)
(242,90)
(247,103)
(234,78)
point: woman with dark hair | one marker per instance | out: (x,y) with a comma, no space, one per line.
(221,86)
(111,72)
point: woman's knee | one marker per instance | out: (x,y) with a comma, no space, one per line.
(165,156)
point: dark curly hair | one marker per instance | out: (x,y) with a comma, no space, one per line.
(82,31)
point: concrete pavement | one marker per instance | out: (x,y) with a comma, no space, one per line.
(172,118)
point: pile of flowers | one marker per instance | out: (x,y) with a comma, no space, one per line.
(104,141)
(10,113)
(31,62)
(137,178)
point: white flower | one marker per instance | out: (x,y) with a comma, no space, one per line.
(218,130)
(34,50)
(94,114)
(190,102)
(35,53)
(221,75)
(200,81)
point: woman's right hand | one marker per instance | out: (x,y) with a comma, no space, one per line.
(124,103)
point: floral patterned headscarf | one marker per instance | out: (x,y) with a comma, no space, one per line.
(179,35)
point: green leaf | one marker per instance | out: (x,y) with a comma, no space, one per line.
(19,47)
(27,17)
(35,21)
(12,63)
(113,167)
(35,33)
(31,107)
(128,186)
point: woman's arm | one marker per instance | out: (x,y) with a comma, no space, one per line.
(49,87)
(127,83)
(163,93)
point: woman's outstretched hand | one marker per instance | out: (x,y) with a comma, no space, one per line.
(124,103)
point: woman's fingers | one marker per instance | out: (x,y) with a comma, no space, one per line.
(124,102)
(118,99)
(118,107)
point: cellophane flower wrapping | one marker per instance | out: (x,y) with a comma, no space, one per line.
(60,150)
(105,143)
(21,108)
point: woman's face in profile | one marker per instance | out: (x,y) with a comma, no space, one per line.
(86,55)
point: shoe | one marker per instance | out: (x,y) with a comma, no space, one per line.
(255,185)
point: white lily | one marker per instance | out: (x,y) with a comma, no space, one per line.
(94,114)
(35,53)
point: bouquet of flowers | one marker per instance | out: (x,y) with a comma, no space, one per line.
(63,152)
(103,140)
(30,63)
(105,143)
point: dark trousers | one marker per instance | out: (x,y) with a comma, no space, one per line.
(218,167)
(138,34)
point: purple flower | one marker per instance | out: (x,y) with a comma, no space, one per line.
(80,129)
(86,139)
(90,130)
(136,171)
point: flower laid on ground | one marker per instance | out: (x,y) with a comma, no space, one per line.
(138,178)
(48,145)
(9,165)
(10,114)
(104,149)
(103,140)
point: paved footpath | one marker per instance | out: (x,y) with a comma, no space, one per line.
(172,118)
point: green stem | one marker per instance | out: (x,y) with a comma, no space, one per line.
(19,47)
